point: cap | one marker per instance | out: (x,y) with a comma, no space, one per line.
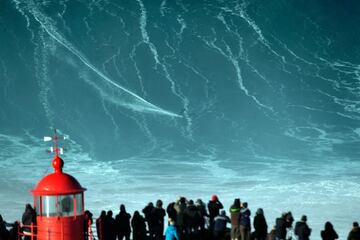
(214,198)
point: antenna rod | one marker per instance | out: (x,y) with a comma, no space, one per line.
(55,143)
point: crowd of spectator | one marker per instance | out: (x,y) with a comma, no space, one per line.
(187,220)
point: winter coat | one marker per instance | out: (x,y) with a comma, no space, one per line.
(244,217)
(122,221)
(192,217)
(354,234)
(202,210)
(109,228)
(28,217)
(4,233)
(260,226)
(13,233)
(329,234)
(171,212)
(302,230)
(100,222)
(148,215)
(138,227)
(280,228)
(214,208)
(220,222)
(171,233)
(158,215)
(234,215)
(180,208)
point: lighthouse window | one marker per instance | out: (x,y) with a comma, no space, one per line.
(79,204)
(66,205)
(38,205)
(49,206)
(61,205)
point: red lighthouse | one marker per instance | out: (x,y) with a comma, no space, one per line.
(59,203)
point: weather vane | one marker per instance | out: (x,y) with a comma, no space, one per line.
(55,138)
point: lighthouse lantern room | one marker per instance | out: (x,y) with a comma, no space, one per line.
(59,203)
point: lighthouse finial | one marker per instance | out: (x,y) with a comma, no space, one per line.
(57,163)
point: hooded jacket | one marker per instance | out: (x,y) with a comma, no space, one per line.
(28,218)
(302,230)
(220,222)
(354,234)
(235,212)
(329,233)
(192,217)
(244,217)
(123,222)
(214,208)
(180,208)
(4,233)
(280,228)
(171,233)
(260,226)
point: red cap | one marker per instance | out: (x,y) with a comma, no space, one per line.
(214,198)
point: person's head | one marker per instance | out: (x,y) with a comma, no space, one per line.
(1,219)
(237,203)
(303,218)
(289,218)
(159,203)
(190,203)
(284,214)
(28,207)
(199,202)
(136,214)
(260,211)
(171,221)
(122,208)
(150,204)
(103,213)
(328,226)
(355,224)
(214,198)
(223,213)
(245,204)
(88,214)
(182,200)
(109,213)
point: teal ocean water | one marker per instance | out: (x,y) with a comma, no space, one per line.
(252,99)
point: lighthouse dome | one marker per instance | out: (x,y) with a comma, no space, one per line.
(58,183)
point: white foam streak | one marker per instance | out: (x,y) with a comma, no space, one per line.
(183,25)
(352,106)
(145,35)
(41,60)
(185,101)
(139,103)
(137,70)
(343,67)
(201,75)
(255,27)
(163,8)
(230,57)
